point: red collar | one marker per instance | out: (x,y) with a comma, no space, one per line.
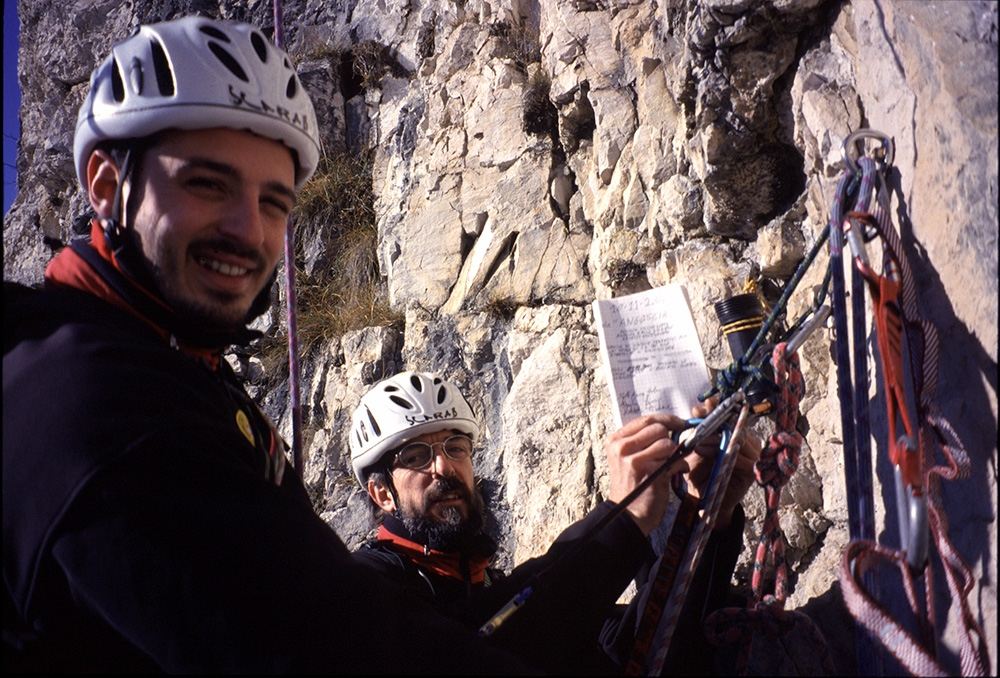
(446,564)
(68,269)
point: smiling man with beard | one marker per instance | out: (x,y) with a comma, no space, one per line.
(412,441)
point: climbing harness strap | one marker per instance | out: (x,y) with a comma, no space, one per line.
(663,581)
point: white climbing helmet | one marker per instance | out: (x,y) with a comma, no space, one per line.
(197,73)
(401,408)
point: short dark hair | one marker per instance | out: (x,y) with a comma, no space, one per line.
(379,475)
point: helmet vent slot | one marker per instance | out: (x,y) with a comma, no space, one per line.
(259,46)
(375,426)
(417,383)
(214,32)
(402,402)
(164,74)
(117,84)
(228,61)
(442,394)
(292,88)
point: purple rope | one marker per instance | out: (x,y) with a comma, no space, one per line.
(292,303)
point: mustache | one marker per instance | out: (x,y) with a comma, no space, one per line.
(223,246)
(445,486)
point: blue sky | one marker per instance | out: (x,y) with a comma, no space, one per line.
(11,102)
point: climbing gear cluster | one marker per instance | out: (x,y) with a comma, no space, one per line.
(907,349)
(917,429)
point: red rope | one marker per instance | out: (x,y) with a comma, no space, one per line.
(766,614)
(778,461)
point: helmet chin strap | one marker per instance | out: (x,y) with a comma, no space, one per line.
(387,473)
(114,228)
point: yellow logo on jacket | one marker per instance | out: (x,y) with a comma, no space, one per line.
(244,425)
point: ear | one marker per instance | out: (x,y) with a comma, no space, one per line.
(102,182)
(381,495)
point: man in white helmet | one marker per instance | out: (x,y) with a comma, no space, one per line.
(149,521)
(412,441)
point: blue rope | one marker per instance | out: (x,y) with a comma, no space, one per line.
(855,423)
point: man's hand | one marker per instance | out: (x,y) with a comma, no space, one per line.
(641,446)
(700,467)
(634,452)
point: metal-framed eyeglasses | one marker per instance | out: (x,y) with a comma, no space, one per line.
(417,456)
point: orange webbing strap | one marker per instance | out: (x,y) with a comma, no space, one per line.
(903,450)
(659,591)
(934,430)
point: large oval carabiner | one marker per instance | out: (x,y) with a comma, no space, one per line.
(883,156)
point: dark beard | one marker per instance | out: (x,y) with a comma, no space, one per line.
(454,533)
(130,254)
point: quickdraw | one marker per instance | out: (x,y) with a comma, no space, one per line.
(899,329)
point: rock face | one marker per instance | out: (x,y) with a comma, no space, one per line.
(531,156)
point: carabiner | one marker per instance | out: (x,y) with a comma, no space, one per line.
(914,528)
(695,430)
(883,156)
(856,242)
(817,320)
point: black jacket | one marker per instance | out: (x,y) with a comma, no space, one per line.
(558,628)
(571,623)
(144,531)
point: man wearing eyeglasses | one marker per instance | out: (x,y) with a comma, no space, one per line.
(412,441)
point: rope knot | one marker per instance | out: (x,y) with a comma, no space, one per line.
(779,460)
(773,620)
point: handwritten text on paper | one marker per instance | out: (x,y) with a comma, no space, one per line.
(653,356)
